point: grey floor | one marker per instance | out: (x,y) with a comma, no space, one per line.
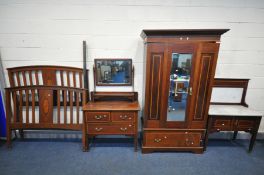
(117,157)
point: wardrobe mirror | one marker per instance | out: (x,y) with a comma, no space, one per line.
(113,72)
(179,86)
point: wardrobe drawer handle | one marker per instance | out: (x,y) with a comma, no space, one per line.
(123,129)
(157,140)
(123,117)
(98,129)
(98,117)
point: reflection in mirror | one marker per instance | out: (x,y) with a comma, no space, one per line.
(113,72)
(179,86)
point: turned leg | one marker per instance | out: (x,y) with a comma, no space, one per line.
(235,135)
(207,133)
(206,140)
(21,133)
(252,141)
(8,138)
(136,142)
(84,142)
(84,137)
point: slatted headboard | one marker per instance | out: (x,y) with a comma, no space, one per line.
(45,97)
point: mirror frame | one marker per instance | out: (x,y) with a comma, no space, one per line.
(113,59)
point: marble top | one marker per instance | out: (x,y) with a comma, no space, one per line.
(232,110)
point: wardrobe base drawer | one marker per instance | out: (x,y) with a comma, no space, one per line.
(172,139)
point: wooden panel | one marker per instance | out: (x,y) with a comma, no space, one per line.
(203,86)
(111,128)
(112,106)
(172,139)
(49,77)
(97,116)
(155,85)
(245,124)
(232,83)
(114,96)
(46,106)
(33,106)
(222,124)
(122,116)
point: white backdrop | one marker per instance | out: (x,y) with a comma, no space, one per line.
(51,32)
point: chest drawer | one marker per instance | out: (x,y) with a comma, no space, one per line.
(111,128)
(97,116)
(222,124)
(172,139)
(123,116)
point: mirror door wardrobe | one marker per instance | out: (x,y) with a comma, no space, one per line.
(179,71)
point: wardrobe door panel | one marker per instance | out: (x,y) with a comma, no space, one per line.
(207,57)
(154,66)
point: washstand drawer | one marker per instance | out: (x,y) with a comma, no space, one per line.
(173,139)
(123,116)
(222,124)
(111,128)
(97,116)
(245,125)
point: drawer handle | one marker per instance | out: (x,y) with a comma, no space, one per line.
(123,117)
(98,129)
(157,140)
(189,141)
(223,124)
(98,117)
(123,129)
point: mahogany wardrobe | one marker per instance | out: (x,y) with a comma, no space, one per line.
(179,71)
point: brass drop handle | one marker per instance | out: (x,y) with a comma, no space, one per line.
(98,129)
(189,141)
(190,91)
(123,117)
(123,129)
(98,117)
(157,140)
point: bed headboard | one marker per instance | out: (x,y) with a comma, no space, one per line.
(46,75)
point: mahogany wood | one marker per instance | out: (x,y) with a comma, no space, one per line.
(203,44)
(111,118)
(232,83)
(43,89)
(108,96)
(235,123)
